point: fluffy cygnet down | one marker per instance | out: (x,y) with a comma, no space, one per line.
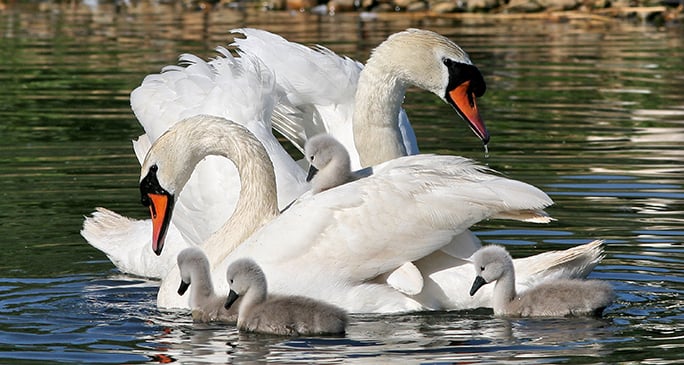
(552,298)
(329,163)
(276,314)
(206,305)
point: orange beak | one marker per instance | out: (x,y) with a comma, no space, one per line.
(466,106)
(160,211)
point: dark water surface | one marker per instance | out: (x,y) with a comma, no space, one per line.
(590,111)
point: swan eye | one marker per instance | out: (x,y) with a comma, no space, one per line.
(154,168)
(447,62)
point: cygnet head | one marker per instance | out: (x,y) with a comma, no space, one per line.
(245,277)
(329,162)
(190,260)
(491,264)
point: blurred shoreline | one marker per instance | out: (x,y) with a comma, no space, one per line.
(656,12)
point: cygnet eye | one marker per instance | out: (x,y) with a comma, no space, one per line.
(482,268)
(231,281)
(312,157)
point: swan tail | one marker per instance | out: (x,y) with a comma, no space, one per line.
(574,263)
(127,243)
(525,215)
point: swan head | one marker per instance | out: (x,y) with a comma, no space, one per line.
(157,189)
(189,260)
(160,202)
(168,166)
(435,63)
(491,263)
(245,276)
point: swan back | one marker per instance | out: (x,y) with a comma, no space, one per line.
(195,274)
(281,315)
(329,160)
(556,297)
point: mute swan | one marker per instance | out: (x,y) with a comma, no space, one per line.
(332,249)
(225,86)
(560,297)
(278,314)
(329,162)
(196,274)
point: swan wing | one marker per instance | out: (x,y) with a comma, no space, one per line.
(319,87)
(406,210)
(575,262)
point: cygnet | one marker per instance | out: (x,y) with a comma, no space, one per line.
(550,298)
(329,163)
(277,314)
(206,305)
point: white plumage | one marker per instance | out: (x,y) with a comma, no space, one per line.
(339,244)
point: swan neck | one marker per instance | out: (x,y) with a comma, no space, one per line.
(257,202)
(378,100)
(256,205)
(504,291)
(202,287)
(254,296)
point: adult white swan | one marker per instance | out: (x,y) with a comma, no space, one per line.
(338,245)
(322,92)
